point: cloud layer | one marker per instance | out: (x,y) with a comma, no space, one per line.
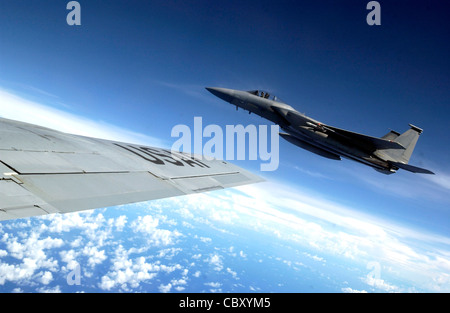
(209,242)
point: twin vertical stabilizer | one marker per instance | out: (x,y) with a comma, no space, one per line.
(400,157)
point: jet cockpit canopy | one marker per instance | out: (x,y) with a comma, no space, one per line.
(265,95)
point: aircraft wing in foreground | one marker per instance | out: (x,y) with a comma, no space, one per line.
(386,154)
(44,171)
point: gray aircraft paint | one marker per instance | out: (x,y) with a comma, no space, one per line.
(45,171)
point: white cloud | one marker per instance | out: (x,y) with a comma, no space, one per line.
(165,288)
(77,242)
(205,239)
(155,236)
(70,257)
(56,289)
(315,257)
(120,222)
(46,277)
(233,273)
(94,255)
(380,284)
(215,260)
(87,221)
(350,290)
(127,272)
(177,282)
(213,284)
(33,250)
(441,179)
(196,256)
(169,253)
(31,253)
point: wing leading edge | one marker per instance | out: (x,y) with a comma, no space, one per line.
(411,168)
(43,171)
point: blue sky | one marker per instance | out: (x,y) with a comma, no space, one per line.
(142,66)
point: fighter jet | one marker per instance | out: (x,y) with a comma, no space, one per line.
(386,154)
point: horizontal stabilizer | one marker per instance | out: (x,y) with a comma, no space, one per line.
(411,168)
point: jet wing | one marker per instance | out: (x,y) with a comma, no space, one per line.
(367,142)
(411,168)
(44,171)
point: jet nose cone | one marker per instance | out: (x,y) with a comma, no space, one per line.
(223,93)
(212,89)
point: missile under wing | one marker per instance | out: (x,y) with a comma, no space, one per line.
(44,171)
